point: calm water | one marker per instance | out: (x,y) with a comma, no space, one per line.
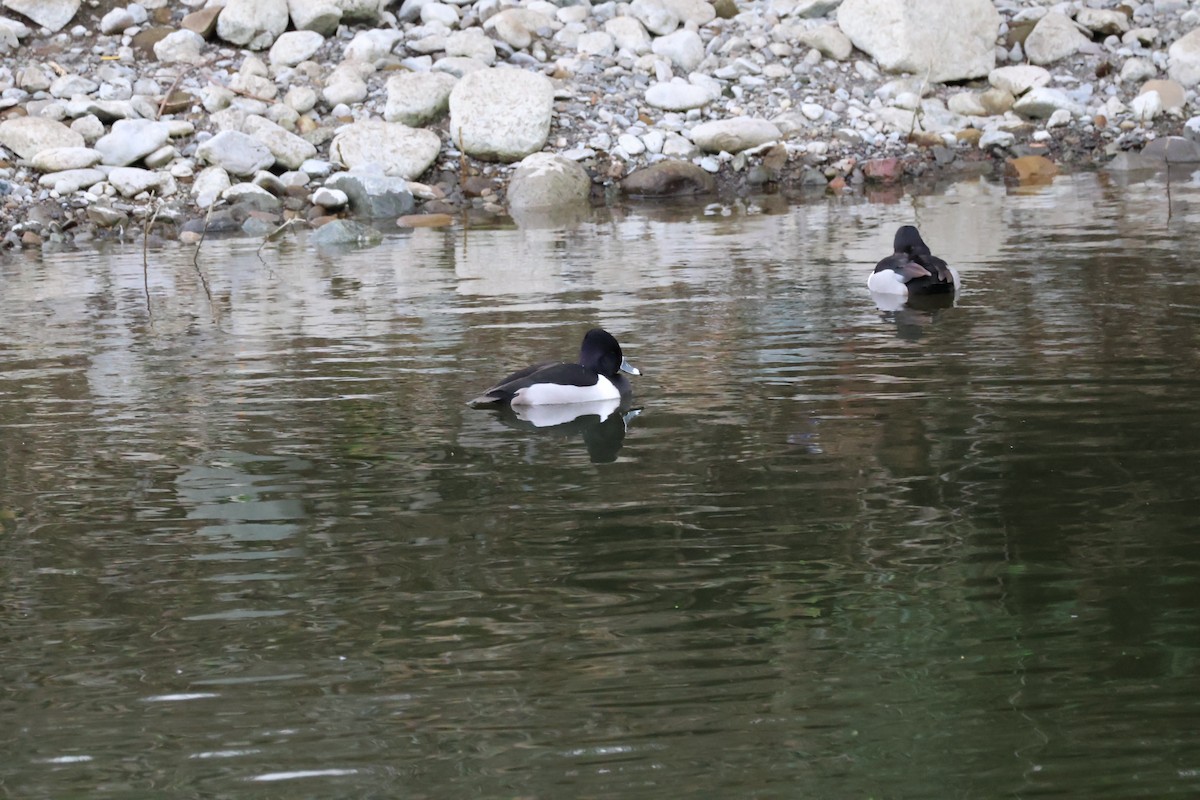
(259,547)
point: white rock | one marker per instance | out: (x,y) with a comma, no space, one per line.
(516,26)
(548,181)
(1146,106)
(812,111)
(332,199)
(1103,21)
(398,150)
(295,46)
(235,152)
(734,135)
(631,144)
(131,181)
(683,48)
(71,85)
(130,140)
(52,14)
(71,181)
(1043,101)
(501,114)
(654,141)
(596,43)
(471,43)
(89,127)
(658,18)
(370,46)
(245,189)
(828,40)
(1184,59)
(290,150)
(967,104)
(416,98)
(1136,70)
(440,13)
(410,10)
(60,159)
(1053,38)
(301,99)
(944,39)
(319,16)
(161,157)
(345,85)
(253,23)
(27,136)
(628,34)
(814,8)
(679,95)
(116,21)
(692,12)
(1017,80)
(182,46)
(208,186)
(1059,118)
(994,137)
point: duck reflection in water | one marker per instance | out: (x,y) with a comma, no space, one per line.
(602,424)
(912,315)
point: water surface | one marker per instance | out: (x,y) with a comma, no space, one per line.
(257,545)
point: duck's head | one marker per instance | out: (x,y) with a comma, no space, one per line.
(601,352)
(908,240)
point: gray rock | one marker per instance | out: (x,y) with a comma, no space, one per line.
(944,39)
(132,181)
(344,232)
(1053,38)
(1105,22)
(416,98)
(290,150)
(547,180)
(105,216)
(182,46)
(994,137)
(1133,162)
(71,85)
(1136,70)
(251,197)
(132,139)
(396,149)
(734,135)
(372,195)
(683,48)
(27,136)
(501,114)
(596,43)
(815,8)
(319,16)
(71,181)
(60,159)
(235,152)
(51,14)
(1184,59)
(458,66)
(253,23)
(1173,149)
(668,179)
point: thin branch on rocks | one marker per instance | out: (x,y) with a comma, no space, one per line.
(175,84)
(244,93)
(196,255)
(274,235)
(146,254)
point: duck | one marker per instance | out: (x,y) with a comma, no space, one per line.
(595,377)
(912,269)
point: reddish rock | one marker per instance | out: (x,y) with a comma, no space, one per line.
(203,22)
(1030,169)
(425,221)
(837,184)
(883,170)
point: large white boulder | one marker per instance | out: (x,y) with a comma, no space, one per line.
(501,114)
(398,150)
(946,40)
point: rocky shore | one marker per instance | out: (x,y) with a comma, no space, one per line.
(179,119)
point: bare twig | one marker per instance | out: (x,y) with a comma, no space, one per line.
(278,232)
(146,253)
(196,255)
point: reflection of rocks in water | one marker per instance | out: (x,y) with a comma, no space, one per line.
(601,424)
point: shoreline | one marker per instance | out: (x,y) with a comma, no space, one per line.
(117,136)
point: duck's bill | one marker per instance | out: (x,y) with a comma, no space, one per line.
(630,368)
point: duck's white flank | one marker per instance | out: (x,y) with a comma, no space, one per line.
(887,281)
(548,394)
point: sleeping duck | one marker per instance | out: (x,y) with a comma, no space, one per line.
(595,377)
(912,269)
